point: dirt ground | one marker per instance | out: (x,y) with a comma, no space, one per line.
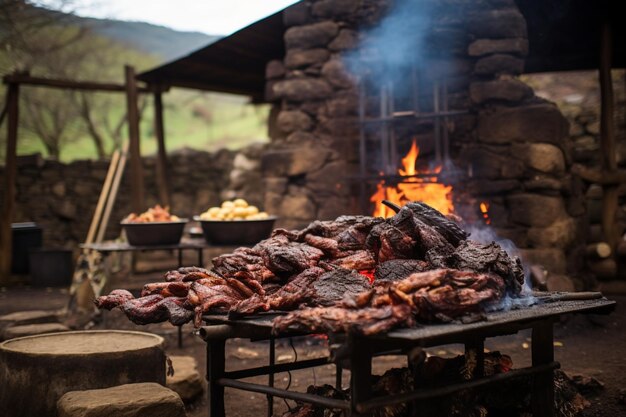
(590,345)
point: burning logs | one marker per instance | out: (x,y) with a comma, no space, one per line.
(422,266)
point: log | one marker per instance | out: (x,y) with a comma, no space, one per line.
(136,168)
(159,131)
(595,233)
(38,370)
(601,250)
(26,79)
(608,146)
(604,269)
(10,174)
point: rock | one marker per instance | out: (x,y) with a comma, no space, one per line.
(498,23)
(294,120)
(302,89)
(587,385)
(346,104)
(558,282)
(552,260)
(311,36)
(244,163)
(491,164)
(58,189)
(303,58)
(186,381)
(335,8)
(559,234)
(32,329)
(329,181)
(535,209)
(307,159)
(275,185)
(331,208)
(130,400)
(482,47)
(593,128)
(65,209)
(542,157)
(543,183)
(274,70)
(301,137)
(296,14)
(276,163)
(499,64)
(336,74)
(508,89)
(297,207)
(534,123)
(346,39)
(28,317)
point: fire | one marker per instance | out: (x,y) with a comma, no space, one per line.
(484,209)
(368,273)
(426,189)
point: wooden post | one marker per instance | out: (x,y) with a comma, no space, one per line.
(161,165)
(10,173)
(607,139)
(136,169)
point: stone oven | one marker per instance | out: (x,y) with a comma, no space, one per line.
(351,96)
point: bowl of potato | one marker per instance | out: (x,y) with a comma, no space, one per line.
(235,223)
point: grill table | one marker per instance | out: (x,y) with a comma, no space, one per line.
(359,351)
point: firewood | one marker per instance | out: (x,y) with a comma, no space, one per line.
(601,250)
(604,269)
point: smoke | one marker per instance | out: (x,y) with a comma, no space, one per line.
(398,42)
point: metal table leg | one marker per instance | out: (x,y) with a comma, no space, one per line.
(270,377)
(542,396)
(360,375)
(215,363)
(338,376)
(200,258)
(180,258)
(180,336)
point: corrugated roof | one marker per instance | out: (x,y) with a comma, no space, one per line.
(234,64)
(563,35)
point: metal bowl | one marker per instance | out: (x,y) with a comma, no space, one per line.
(236,232)
(155,233)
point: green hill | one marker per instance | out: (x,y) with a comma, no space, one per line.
(55,122)
(146,37)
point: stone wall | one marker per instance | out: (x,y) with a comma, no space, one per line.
(62,198)
(512,150)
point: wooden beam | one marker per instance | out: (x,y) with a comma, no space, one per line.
(104,196)
(26,79)
(610,196)
(136,168)
(161,165)
(10,174)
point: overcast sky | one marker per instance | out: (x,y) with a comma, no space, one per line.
(214,17)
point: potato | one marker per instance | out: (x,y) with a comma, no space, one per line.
(252,210)
(228,205)
(213,211)
(240,211)
(240,202)
(263,215)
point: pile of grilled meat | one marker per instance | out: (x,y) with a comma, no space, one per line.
(356,273)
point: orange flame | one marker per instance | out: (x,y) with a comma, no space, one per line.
(368,273)
(427,190)
(484,209)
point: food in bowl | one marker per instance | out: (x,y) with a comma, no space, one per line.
(237,209)
(152,215)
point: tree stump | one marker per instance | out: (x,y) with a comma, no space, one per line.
(37,370)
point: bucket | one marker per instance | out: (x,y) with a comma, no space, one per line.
(51,267)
